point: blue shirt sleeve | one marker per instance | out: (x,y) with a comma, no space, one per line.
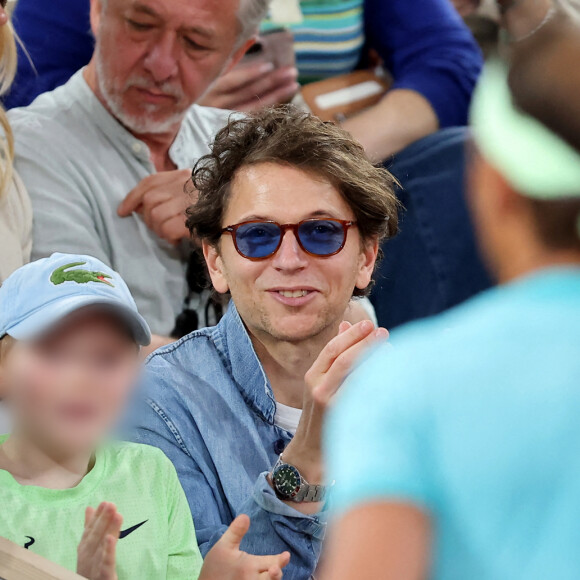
(58,42)
(375,438)
(428,49)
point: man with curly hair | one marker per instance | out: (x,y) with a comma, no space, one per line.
(290,216)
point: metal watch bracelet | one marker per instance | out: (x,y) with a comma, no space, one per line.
(307,493)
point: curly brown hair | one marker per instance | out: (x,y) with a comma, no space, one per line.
(287,135)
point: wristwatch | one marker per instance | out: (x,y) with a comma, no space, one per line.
(289,485)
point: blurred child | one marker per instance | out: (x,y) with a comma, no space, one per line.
(69,351)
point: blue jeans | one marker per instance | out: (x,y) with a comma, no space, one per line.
(433,263)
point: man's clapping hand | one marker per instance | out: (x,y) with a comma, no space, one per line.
(225,561)
(323,381)
(337,359)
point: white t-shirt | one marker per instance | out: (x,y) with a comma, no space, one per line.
(287,418)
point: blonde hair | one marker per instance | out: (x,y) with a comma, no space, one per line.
(8,61)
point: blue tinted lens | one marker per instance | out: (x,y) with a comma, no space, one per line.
(321,237)
(258,240)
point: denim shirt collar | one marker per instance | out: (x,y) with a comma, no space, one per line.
(237,351)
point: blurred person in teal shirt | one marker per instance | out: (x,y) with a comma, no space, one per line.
(456,451)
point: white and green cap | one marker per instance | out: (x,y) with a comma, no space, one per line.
(40,294)
(536,162)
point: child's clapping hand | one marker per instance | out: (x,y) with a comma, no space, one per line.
(225,561)
(96,551)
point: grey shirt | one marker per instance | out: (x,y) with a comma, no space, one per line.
(78,163)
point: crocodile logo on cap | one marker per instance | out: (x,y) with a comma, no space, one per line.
(79,276)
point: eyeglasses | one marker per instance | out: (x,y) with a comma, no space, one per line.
(258,240)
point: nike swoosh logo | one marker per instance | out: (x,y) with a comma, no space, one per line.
(130,530)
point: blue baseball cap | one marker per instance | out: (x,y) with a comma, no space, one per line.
(42,293)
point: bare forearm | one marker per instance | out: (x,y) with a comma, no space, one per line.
(323,380)
(304,453)
(379,540)
(402,117)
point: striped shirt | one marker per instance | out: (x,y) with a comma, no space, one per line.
(329,40)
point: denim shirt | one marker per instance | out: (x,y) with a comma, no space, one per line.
(209,406)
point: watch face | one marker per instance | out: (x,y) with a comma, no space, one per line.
(287,481)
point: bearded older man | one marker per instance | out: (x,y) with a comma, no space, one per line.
(105,156)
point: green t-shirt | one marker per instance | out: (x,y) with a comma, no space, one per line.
(157,538)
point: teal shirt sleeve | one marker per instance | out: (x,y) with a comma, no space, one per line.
(375,437)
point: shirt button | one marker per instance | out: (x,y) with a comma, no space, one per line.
(137,147)
(279,446)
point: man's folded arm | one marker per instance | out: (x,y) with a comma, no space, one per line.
(428,49)
(435,63)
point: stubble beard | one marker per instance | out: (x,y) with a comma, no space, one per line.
(325,320)
(138,125)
